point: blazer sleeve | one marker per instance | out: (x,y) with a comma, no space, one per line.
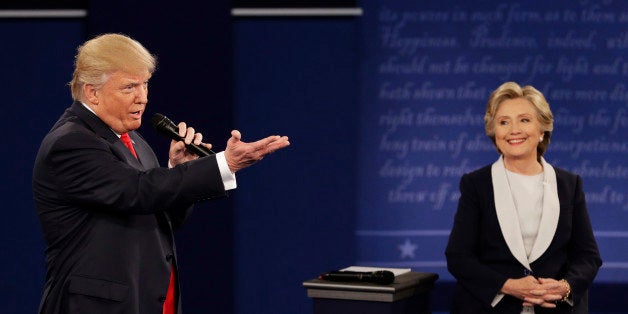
(463,261)
(91,174)
(584,257)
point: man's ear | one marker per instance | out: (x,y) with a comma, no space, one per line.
(90,92)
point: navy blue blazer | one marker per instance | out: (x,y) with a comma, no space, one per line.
(481,260)
(107,217)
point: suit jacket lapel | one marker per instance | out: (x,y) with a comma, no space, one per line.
(509,220)
(139,150)
(102,129)
(507,213)
(551,212)
(126,154)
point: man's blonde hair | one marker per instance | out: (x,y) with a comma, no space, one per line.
(99,57)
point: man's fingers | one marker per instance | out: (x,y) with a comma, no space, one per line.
(277,145)
(198,138)
(272,143)
(179,146)
(189,135)
(235,134)
(263,143)
(182,128)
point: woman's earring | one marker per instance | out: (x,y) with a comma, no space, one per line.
(540,139)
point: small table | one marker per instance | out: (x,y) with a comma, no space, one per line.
(409,293)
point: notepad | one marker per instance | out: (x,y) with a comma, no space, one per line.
(396,271)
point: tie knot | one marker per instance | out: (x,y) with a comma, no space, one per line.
(124,137)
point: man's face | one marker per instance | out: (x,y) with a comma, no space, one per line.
(121,101)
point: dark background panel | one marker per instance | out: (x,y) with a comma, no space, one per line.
(293,215)
(34,74)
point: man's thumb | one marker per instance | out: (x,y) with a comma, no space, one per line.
(235,135)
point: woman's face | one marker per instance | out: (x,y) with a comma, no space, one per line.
(517,130)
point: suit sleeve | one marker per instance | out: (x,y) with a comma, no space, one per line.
(584,256)
(89,173)
(463,261)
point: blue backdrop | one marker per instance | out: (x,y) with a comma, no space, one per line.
(429,68)
(36,63)
(384,112)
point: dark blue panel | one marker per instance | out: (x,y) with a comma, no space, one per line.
(36,61)
(295,210)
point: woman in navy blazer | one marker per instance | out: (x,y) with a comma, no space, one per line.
(522,240)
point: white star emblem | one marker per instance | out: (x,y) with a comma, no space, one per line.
(407,249)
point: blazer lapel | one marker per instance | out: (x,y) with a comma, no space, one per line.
(126,154)
(551,212)
(507,213)
(101,129)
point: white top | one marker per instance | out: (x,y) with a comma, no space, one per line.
(527,192)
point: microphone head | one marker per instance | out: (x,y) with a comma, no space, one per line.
(162,123)
(157,119)
(383,277)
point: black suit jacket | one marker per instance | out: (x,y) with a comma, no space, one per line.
(107,217)
(479,258)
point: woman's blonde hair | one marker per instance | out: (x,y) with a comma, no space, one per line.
(512,90)
(105,54)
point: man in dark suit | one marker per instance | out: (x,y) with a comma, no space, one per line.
(107,209)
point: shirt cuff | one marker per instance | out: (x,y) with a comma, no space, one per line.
(497,298)
(228,177)
(570,300)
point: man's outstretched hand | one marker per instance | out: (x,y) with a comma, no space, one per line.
(240,155)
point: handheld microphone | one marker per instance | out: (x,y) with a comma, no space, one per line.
(165,126)
(380,277)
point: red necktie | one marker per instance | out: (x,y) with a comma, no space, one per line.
(124,137)
(169,304)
